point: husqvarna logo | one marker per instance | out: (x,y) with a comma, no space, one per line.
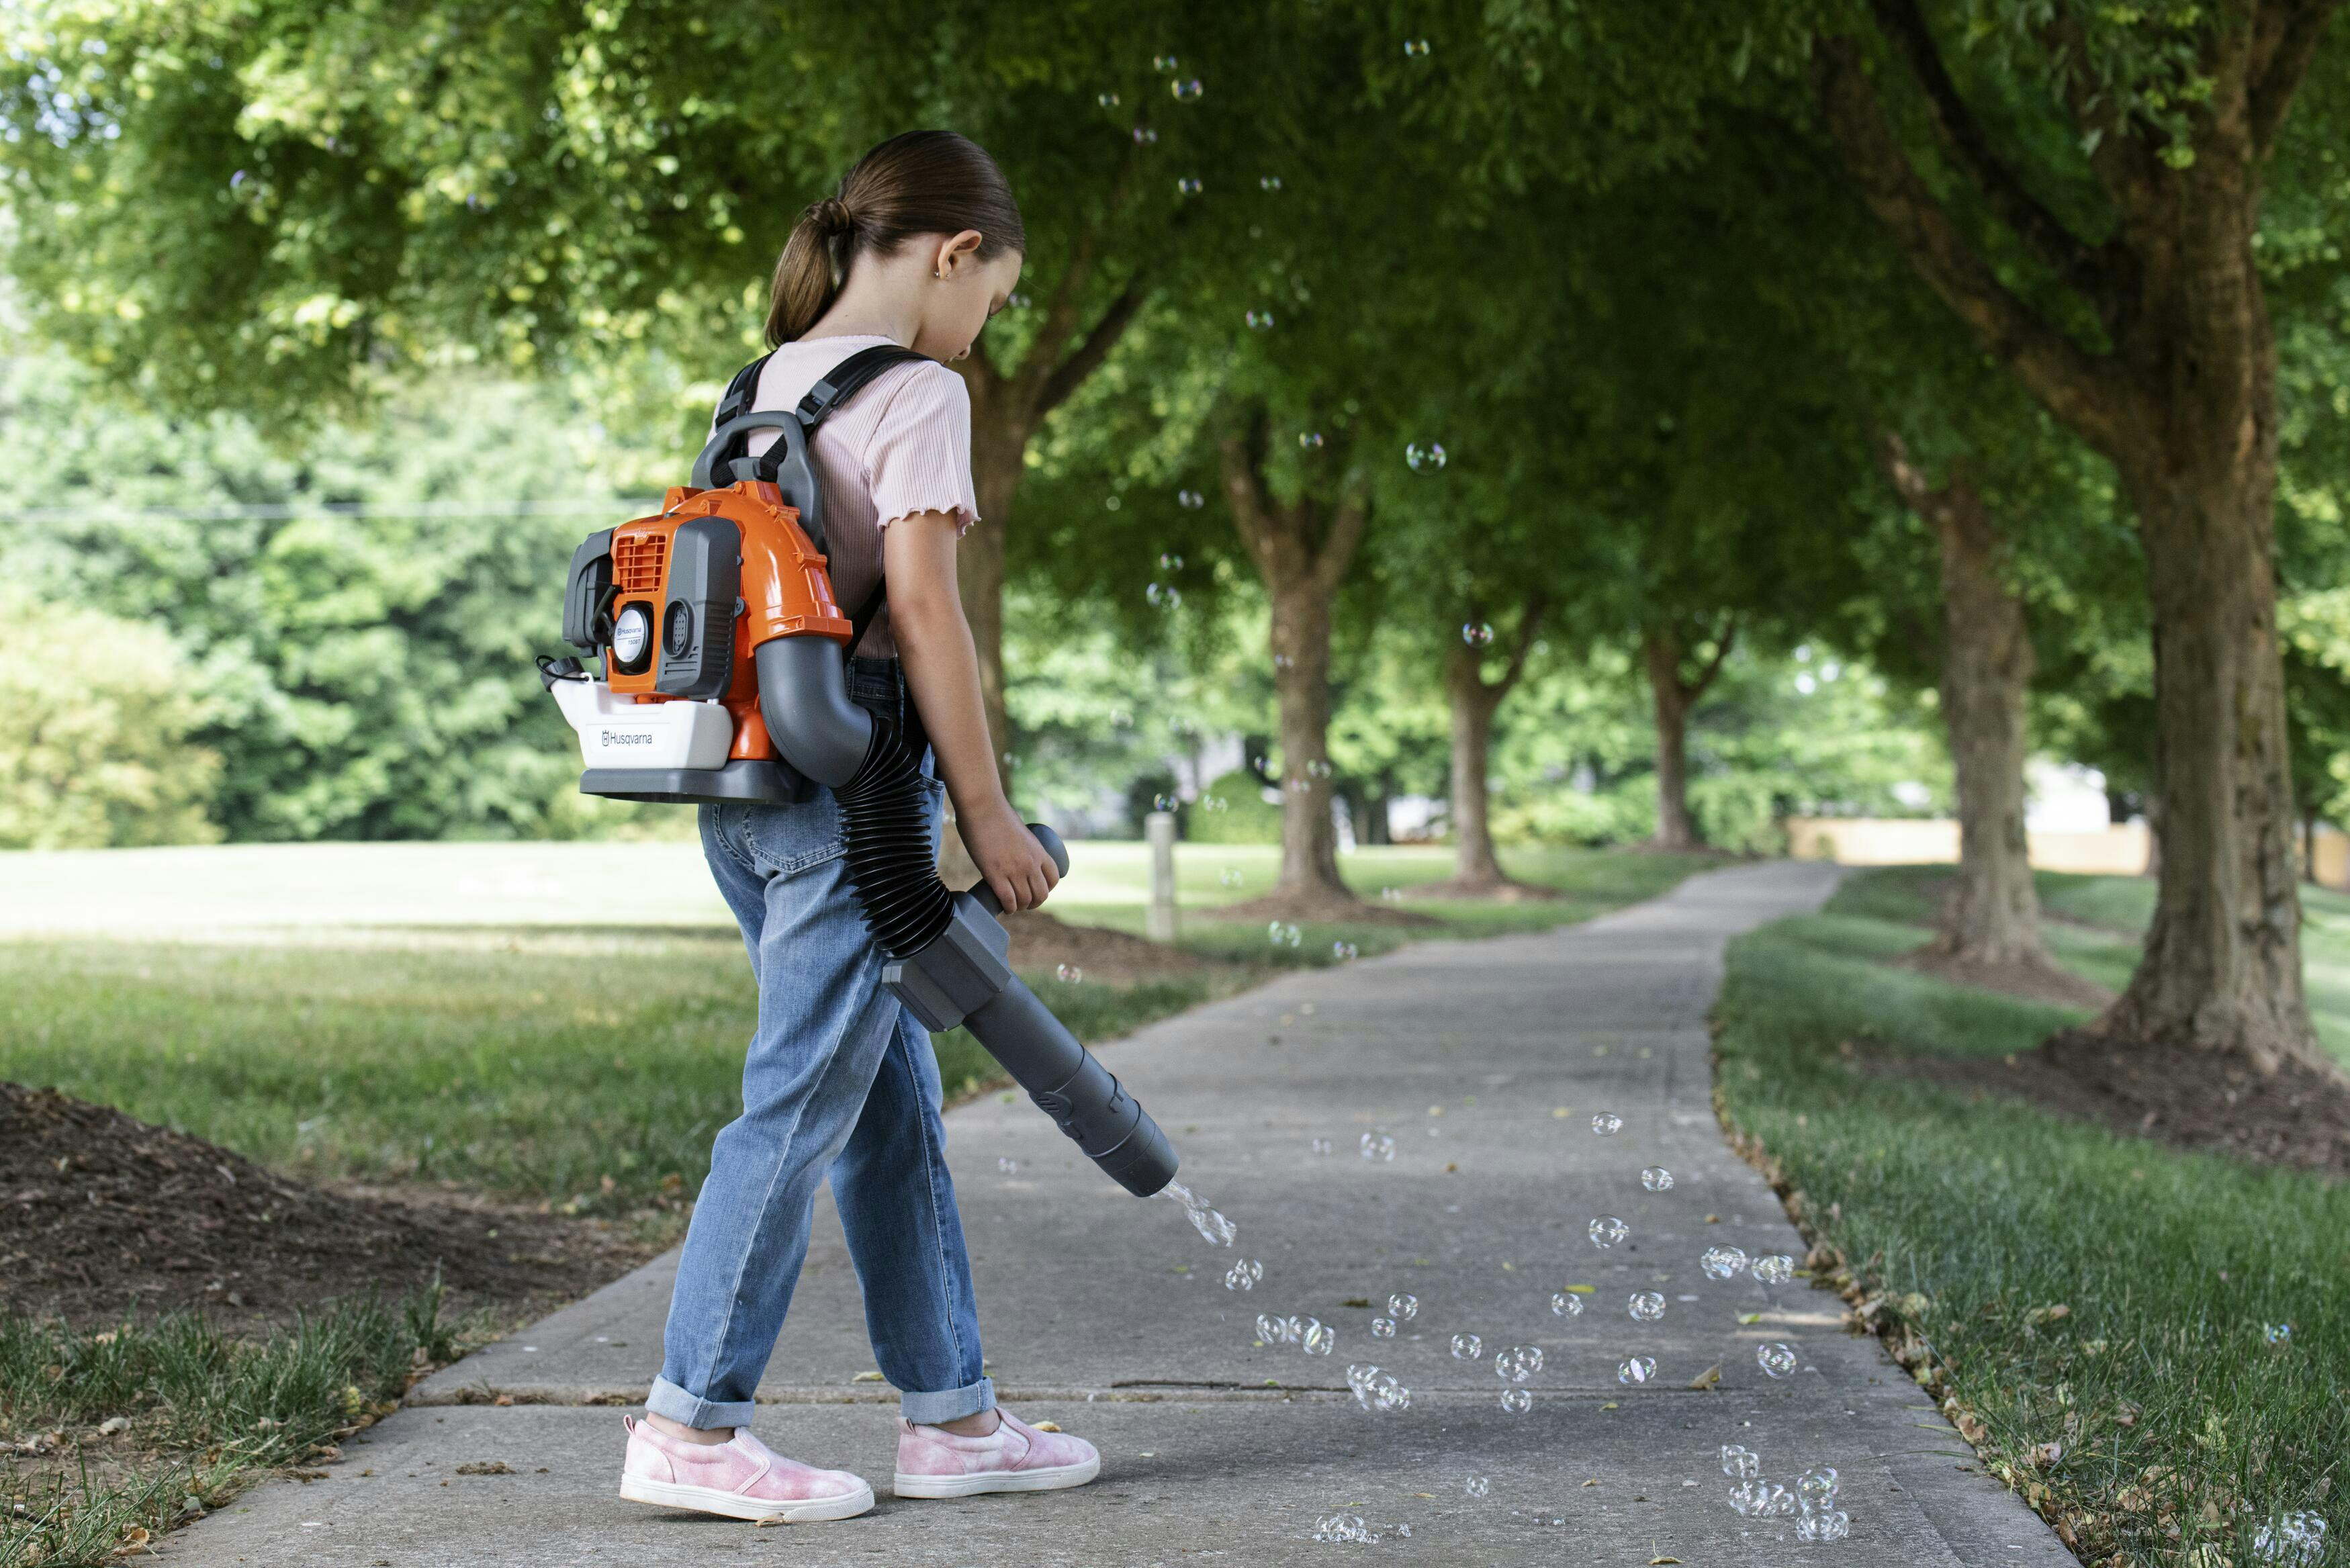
(627,737)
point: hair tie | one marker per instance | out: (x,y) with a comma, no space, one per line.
(831,216)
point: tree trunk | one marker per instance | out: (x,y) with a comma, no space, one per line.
(1301,679)
(1662,652)
(1986,665)
(1473,703)
(2222,959)
(1302,549)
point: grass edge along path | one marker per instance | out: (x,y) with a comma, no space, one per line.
(2146,1344)
(179,1419)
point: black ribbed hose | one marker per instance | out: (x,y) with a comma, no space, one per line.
(885,812)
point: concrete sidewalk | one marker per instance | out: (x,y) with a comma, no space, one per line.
(1486,1061)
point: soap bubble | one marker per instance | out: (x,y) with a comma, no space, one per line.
(1425,458)
(1320,1338)
(1634,1370)
(1741,1462)
(1293,1328)
(1212,803)
(236,181)
(1415,48)
(1394,1396)
(1341,1527)
(1476,1486)
(1778,1360)
(1722,1263)
(1310,439)
(1607,1231)
(1143,133)
(1775,1269)
(1230,877)
(1069,974)
(1016,301)
(1189,499)
(1316,767)
(1567,1304)
(1378,1145)
(1346,952)
(1164,803)
(1816,1488)
(1518,1362)
(1391,895)
(1007,1165)
(1188,186)
(1403,1307)
(1243,1275)
(1168,561)
(1261,320)
(1607,1124)
(1383,1328)
(2290,1541)
(1268,1328)
(1164,595)
(1289,937)
(1268,183)
(1212,1226)
(1477,633)
(1187,91)
(1824,1524)
(1107,99)
(1467,1347)
(1657,1179)
(1647,1307)
(1162,63)
(1516,1401)
(2276,1333)
(1319,1145)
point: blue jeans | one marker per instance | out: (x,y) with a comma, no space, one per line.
(840,1080)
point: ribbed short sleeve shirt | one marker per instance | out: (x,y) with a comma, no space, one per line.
(902,445)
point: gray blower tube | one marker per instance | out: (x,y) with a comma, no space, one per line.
(960,976)
(804,698)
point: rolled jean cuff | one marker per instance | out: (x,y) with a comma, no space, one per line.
(691,1410)
(953,1405)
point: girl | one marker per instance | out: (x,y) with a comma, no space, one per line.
(921,246)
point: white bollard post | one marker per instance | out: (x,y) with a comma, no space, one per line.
(1158,831)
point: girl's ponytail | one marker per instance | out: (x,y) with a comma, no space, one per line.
(808,272)
(922,182)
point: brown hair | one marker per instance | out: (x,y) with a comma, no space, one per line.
(922,182)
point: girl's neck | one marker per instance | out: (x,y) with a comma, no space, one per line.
(868,308)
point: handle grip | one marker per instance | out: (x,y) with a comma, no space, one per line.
(1050,840)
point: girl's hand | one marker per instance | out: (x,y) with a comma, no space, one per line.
(1009,857)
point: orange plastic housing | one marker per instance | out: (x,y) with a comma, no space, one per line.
(786,590)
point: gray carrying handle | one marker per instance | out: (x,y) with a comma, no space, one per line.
(1050,840)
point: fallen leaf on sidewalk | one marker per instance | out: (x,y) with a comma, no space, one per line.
(1046,1426)
(1593,1482)
(1706,1378)
(866,1378)
(1611,1404)
(486,1467)
(1750,1317)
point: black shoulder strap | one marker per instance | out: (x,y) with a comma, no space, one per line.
(848,377)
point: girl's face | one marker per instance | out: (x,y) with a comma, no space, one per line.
(960,294)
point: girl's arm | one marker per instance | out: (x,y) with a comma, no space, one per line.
(917,556)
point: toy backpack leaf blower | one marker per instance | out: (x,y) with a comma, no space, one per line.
(724,663)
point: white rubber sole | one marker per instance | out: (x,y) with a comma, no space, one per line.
(733,1505)
(1052,1478)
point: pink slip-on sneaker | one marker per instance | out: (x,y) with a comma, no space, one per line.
(1015,1456)
(741,1477)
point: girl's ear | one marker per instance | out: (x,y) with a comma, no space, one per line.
(958,250)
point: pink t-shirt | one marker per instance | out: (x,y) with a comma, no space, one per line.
(901,445)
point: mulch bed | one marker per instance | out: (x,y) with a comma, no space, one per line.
(2034,982)
(2176,1094)
(1041,940)
(104,1217)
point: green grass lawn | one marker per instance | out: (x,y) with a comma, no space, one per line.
(2182,1427)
